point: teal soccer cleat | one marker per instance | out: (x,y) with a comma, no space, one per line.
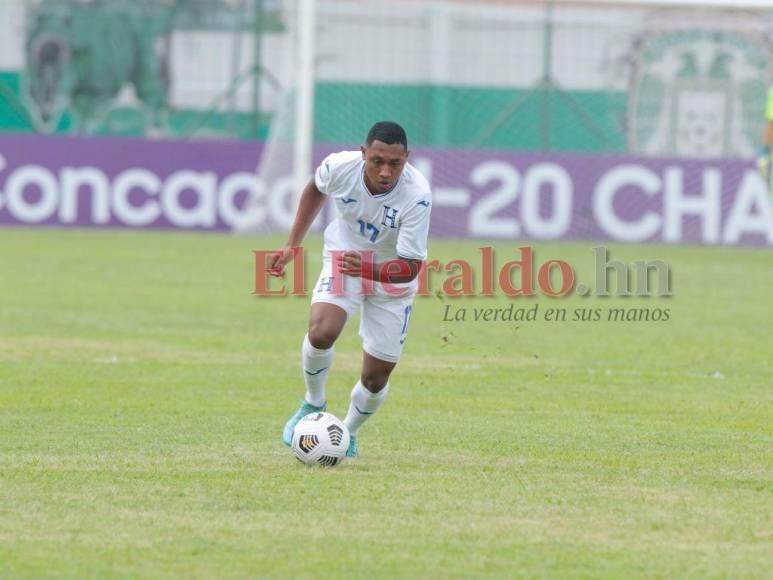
(303,410)
(351,453)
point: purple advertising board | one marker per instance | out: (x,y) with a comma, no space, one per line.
(136,183)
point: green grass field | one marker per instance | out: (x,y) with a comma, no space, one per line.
(143,390)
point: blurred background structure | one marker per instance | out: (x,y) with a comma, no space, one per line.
(569,76)
(654,79)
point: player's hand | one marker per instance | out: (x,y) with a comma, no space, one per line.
(278,261)
(350,263)
(763,163)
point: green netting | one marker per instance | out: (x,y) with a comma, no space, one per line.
(475,117)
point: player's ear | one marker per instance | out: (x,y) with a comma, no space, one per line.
(362,148)
(407,153)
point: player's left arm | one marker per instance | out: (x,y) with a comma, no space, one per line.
(395,271)
(411,249)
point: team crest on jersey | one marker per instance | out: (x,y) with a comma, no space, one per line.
(389,216)
(698,91)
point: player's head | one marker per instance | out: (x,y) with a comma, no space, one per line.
(385,153)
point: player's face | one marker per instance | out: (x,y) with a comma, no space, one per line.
(383,165)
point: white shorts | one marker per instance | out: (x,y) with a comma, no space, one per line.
(385,317)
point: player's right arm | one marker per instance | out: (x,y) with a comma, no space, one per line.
(312,200)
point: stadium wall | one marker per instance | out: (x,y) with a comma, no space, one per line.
(458,74)
(391,102)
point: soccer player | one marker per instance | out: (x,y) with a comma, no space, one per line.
(763,160)
(383,206)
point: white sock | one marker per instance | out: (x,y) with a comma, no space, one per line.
(316,365)
(363,405)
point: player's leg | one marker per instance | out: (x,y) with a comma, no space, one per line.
(326,321)
(367,395)
(383,328)
(329,312)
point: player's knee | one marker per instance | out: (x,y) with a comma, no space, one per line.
(374,381)
(321,336)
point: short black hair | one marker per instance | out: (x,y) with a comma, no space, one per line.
(387,132)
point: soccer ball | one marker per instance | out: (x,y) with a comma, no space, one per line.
(320,439)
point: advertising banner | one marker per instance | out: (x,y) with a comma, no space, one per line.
(135,183)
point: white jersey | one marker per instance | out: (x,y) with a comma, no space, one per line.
(393,224)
